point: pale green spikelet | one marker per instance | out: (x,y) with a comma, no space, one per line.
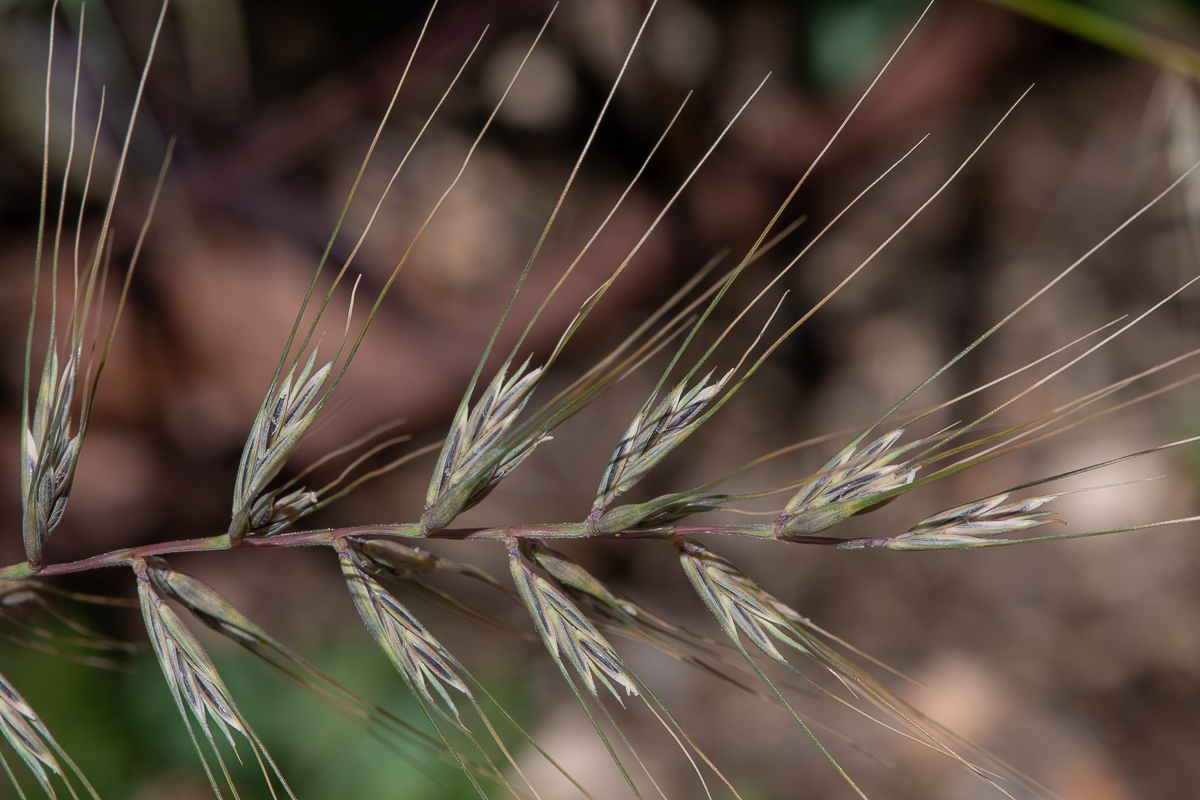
(968,525)
(476,455)
(48,454)
(190,674)
(654,434)
(851,483)
(734,600)
(195,684)
(281,422)
(424,664)
(568,634)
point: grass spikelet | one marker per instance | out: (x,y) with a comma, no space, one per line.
(963,525)
(49,450)
(278,428)
(48,454)
(655,433)
(569,635)
(736,602)
(626,616)
(196,686)
(849,484)
(424,664)
(652,435)
(740,606)
(476,457)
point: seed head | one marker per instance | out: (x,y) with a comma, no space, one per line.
(281,423)
(652,435)
(48,455)
(568,634)
(477,455)
(420,658)
(849,484)
(970,524)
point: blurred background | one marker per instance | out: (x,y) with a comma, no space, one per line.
(1076,662)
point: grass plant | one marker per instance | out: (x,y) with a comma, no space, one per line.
(771,650)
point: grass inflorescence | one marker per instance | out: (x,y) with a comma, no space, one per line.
(502,417)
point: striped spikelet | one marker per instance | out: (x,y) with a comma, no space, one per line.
(568,634)
(971,524)
(734,600)
(190,673)
(425,665)
(48,455)
(654,434)
(195,684)
(281,422)
(852,482)
(476,456)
